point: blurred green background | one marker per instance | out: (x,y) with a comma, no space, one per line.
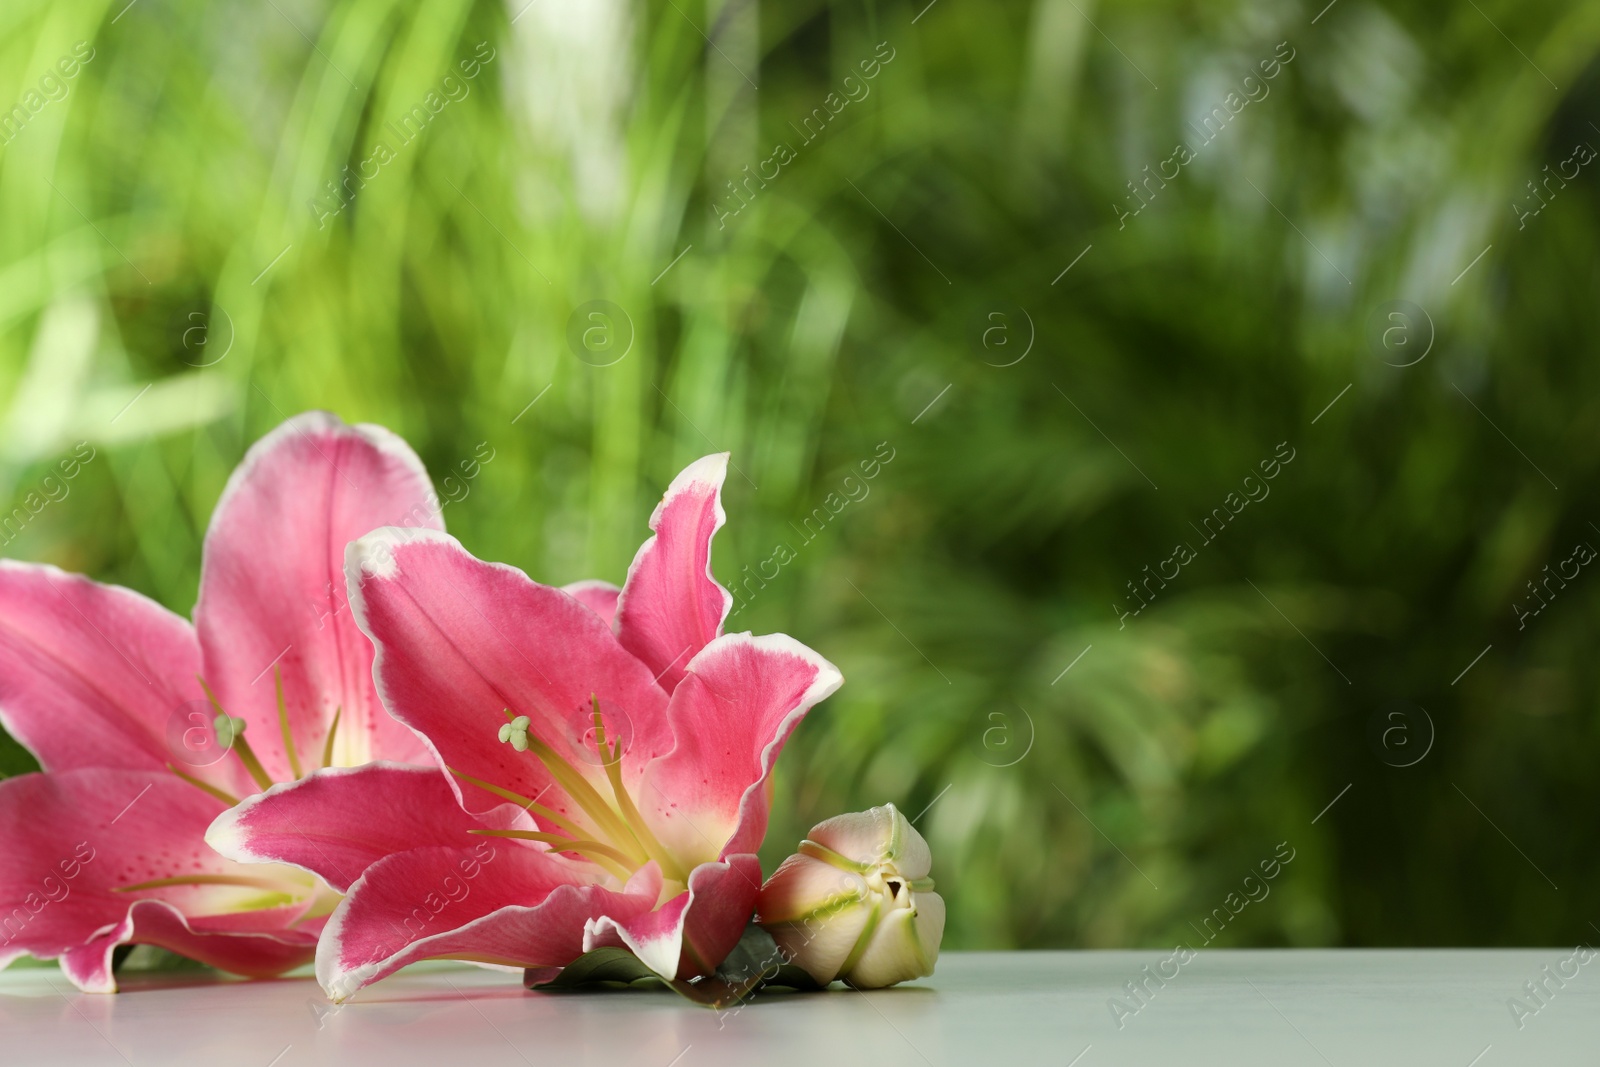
(826,233)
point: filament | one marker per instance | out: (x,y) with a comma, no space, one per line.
(203,879)
(613,860)
(221,794)
(283,724)
(517,798)
(333,729)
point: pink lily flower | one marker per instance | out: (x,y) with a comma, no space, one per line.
(621,805)
(116,696)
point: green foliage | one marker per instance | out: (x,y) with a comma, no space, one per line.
(754,964)
(174,280)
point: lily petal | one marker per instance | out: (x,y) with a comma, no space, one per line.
(460,641)
(499,903)
(74,841)
(740,699)
(693,932)
(877,835)
(599,597)
(671,607)
(90,674)
(904,946)
(256,954)
(815,913)
(272,591)
(339,821)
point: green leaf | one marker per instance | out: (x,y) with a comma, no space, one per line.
(602,967)
(755,962)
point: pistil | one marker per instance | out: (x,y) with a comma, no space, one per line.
(236,741)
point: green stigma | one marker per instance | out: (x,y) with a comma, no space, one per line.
(227,728)
(516,733)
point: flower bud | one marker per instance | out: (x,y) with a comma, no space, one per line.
(856,902)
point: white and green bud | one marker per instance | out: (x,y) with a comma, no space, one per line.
(856,903)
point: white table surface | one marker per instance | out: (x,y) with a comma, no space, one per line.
(1416,1008)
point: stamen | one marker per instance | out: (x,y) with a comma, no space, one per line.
(283,725)
(612,759)
(221,794)
(613,860)
(239,745)
(517,798)
(203,879)
(333,728)
(577,787)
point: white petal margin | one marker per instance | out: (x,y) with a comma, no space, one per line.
(374,556)
(89,966)
(711,717)
(708,471)
(226,837)
(230,834)
(660,953)
(556,913)
(662,950)
(824,685)
(711,472)
(308,423)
